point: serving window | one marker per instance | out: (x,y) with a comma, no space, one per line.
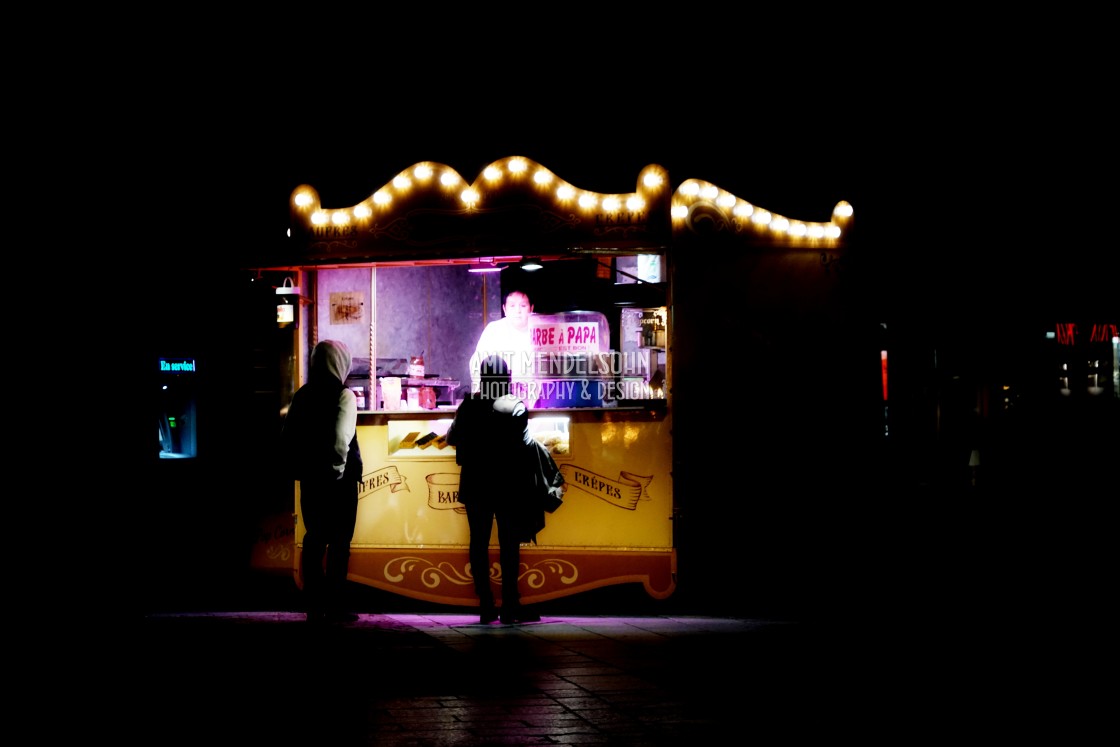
(588,325)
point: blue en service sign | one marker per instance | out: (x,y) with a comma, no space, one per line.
(176,365)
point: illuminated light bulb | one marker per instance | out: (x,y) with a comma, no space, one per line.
(780,225)
(762,217)
(491,173)
(362,211)
(610,204)
(652,180)
(679,211)
(843,209)
(340,218)
(565,192)
(303,199)
(709,192)
(469,196)
(542,177)
(816,231)
(449,179)
(402,182)
(690,188)
(587,201)
(319,217)
(422,172)
(831,231)
(635,203)
(517,165)
(726,200)
(798,229)
(743,210)
(381,197)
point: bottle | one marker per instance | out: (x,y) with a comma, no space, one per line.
(416,367)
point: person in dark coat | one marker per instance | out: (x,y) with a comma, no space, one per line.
(321,449)
(490,434)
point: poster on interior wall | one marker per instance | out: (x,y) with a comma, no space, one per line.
(346,307)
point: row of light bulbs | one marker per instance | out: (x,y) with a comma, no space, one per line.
(694,190)
(652,179)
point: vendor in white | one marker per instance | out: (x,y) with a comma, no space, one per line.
(509,338)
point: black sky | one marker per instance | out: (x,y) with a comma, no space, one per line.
(967,203)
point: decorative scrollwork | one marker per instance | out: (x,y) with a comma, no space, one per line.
(430,574)
(549,222)
(398,230)
(704,218)
(537,575)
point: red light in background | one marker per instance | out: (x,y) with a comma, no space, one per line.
(883,356)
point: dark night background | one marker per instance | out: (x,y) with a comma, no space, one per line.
(977,147)
(978,224)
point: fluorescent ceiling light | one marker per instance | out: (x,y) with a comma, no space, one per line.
(486,267)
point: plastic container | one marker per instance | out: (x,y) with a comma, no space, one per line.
(391,392)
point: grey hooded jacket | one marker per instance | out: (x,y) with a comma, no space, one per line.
(319,439)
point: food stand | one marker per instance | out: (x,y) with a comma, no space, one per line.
(417,270)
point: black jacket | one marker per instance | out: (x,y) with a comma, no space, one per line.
(502,465)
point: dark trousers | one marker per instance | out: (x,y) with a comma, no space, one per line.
(480,519)
(330,510)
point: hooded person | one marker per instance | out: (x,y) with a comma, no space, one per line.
(320,447)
